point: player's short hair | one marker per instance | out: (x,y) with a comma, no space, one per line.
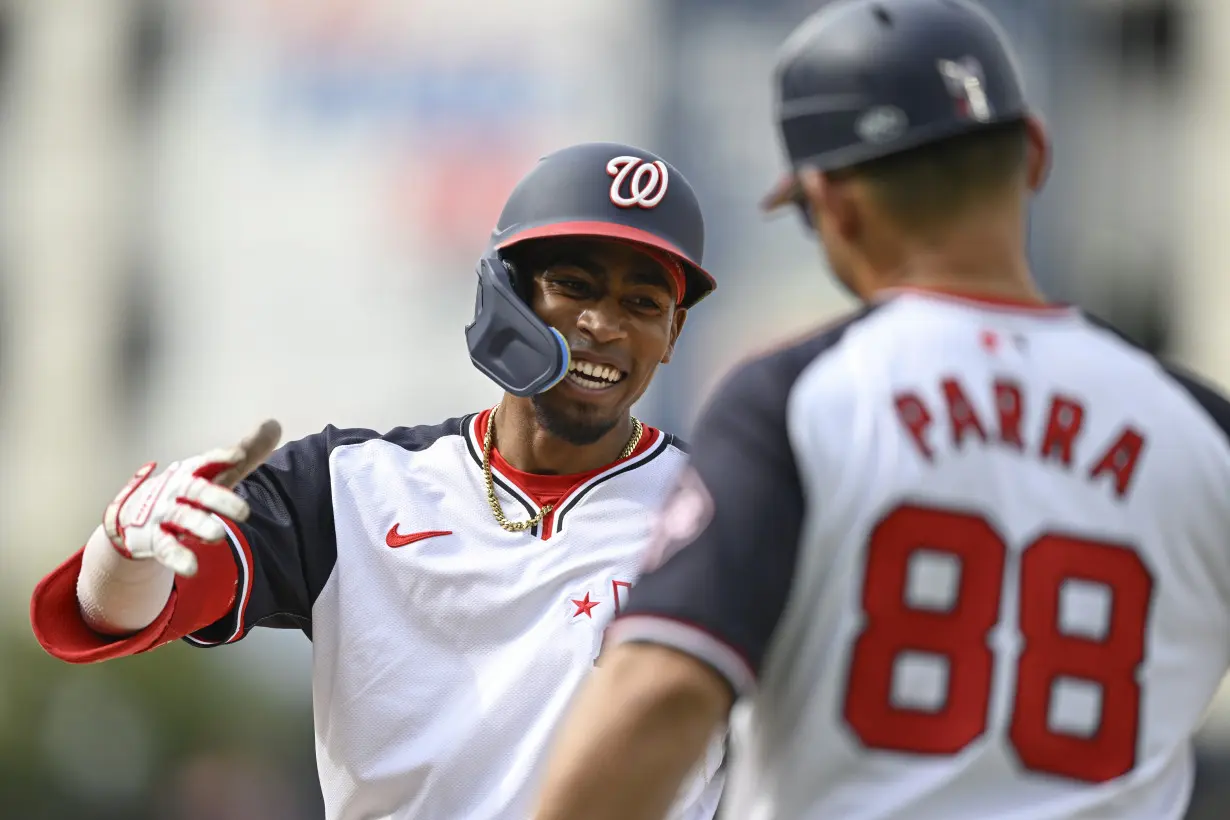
(532,256)
(922,188)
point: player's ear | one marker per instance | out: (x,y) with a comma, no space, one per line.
(814,188)
(681,316)
(833,202)
(1037,153)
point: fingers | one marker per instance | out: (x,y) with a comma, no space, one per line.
(241,460)
(197,524)
(261,443)
(219,458)
(220,500)
(185,505)
(173,555)
(184,530)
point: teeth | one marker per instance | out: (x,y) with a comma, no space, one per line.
(586,381)
(598,372)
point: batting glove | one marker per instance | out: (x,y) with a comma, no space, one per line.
(167,517)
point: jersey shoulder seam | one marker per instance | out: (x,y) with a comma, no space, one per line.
(1209,401)
(677,443)
(787,361)
(411,439)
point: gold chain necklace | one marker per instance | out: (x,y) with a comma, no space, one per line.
(521,526)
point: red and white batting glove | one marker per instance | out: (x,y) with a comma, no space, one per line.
(168,516)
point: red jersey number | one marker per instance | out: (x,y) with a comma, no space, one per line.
(961,634)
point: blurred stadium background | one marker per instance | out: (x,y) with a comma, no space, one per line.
(217,211)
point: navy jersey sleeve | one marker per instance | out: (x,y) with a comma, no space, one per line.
(286,549)
(721,562)
(726,540)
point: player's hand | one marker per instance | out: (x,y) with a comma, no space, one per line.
(167,516)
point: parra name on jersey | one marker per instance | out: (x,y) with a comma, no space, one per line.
(1057,440)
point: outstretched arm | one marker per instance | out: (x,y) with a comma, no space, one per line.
(125,594)
(261,562)
(154,528)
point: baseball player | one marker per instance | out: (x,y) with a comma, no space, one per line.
(962,555)
(454,579)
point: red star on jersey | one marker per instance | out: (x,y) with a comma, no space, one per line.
(989,341)
(584,606)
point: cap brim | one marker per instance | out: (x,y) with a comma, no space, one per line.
(613,230)
(786,190)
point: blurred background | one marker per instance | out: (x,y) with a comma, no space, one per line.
(218,211)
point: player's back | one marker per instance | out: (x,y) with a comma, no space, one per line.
(1012,591)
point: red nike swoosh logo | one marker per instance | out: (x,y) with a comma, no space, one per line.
(395,539)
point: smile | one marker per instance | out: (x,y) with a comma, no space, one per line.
(593,376)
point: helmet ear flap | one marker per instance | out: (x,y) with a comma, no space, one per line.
(507,341)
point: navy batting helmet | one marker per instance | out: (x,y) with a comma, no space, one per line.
(605,190)
(863,79)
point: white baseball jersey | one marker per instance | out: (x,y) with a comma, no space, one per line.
(445,649)
(964,560)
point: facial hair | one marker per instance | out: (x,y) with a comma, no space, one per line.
(568,427)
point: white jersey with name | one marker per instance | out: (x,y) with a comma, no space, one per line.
(445,649)
(964,560)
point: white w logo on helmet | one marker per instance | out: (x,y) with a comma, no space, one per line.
(647,186)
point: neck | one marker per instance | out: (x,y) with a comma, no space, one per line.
(978,257)
(526,445)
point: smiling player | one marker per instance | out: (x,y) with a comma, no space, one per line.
(454,579)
